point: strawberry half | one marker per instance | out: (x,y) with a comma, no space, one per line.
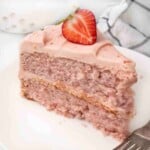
(80,27)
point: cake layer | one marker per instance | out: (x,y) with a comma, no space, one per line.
(88,82)
(71,106)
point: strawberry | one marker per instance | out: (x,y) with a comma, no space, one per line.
(80,27)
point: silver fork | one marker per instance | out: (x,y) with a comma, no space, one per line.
(138,140)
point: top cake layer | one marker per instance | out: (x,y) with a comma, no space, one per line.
(102,54)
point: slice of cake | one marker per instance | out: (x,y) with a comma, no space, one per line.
(91,82)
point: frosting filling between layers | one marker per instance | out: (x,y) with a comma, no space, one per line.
(99,102)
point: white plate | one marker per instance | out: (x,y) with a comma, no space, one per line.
(25,125)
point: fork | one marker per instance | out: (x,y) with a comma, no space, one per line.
(138,140)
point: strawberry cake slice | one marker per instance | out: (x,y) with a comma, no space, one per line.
(71,69)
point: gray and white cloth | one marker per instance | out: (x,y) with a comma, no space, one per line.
(124,22)
(128,24)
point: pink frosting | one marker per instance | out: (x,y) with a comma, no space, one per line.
(102,53)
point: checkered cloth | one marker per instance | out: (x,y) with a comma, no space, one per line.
(128,24)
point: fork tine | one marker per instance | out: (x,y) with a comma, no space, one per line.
(138,140)
(129,144)
(123,145)
(132,146)
(139,148)
(135,147)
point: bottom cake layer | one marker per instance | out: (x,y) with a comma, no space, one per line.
(71,106)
